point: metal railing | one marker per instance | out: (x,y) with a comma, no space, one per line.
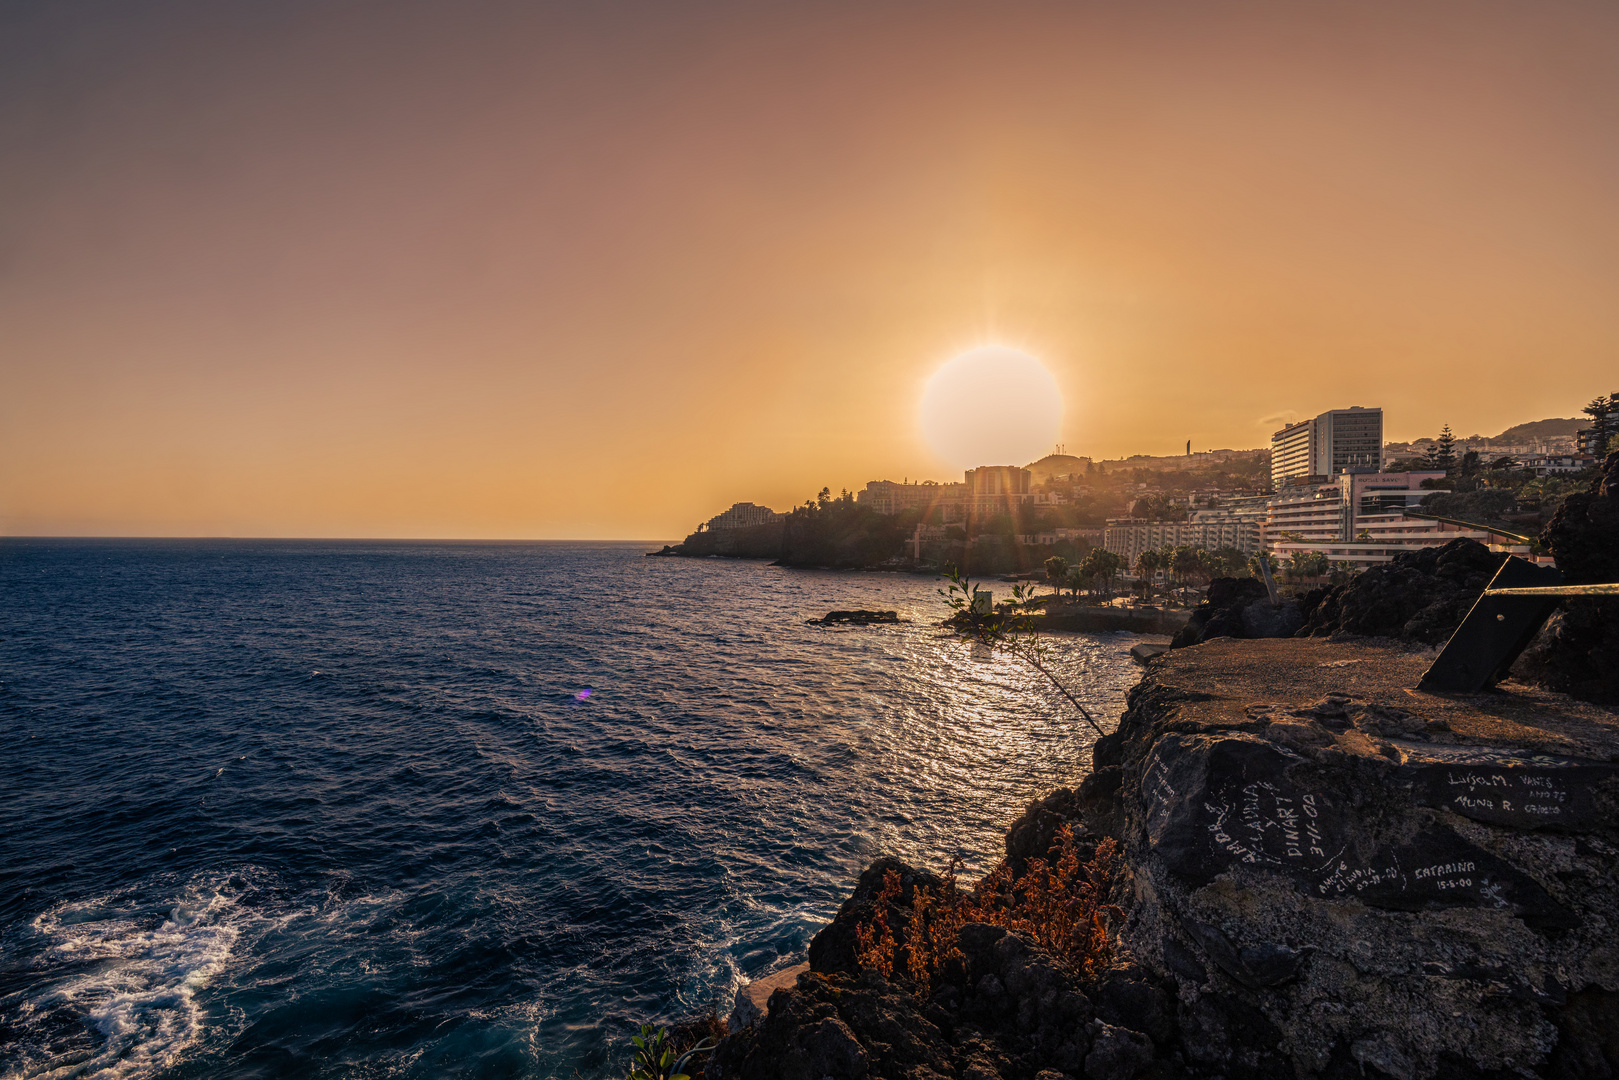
(1500,625)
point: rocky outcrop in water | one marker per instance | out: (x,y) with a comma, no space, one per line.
(1327,875)
(859,617)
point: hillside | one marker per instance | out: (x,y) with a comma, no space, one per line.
(1061,464)
(1056,465)
(1541,429)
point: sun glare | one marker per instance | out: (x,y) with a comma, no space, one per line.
(991,406)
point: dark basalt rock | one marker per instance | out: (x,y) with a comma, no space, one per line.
(1446,889)
(1213,803)
(1578,651)
(1006,1012)
(1418,596)
(1031,836)
(833,949)
(856,618)
(1583,536)
(1325,876)
(1238,608)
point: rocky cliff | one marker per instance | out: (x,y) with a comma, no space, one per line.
(1327,874)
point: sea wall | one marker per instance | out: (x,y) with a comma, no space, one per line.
(1326,875)
(1100,619)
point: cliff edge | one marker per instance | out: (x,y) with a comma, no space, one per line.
(1326,874)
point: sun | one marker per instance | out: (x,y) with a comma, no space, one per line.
(991,406)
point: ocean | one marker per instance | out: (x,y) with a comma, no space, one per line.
(416,809)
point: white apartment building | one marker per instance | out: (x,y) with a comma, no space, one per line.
(1337,441)
(744,515)
(1129,537)
(1290,452)
(1557,464)
(888,497)
(1071,536)
(1364,519)
(1236,522)
(988,489)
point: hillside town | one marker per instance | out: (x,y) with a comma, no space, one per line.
(1327,497)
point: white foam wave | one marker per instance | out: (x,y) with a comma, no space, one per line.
(135,974)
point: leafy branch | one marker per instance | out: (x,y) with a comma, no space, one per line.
(1011,630)
(655,1058)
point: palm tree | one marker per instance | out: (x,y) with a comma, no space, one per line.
(1148,563)
(1099,567)
(1187,561)
(1056,571)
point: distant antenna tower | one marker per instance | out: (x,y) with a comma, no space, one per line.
(1062,448)
(1188,447)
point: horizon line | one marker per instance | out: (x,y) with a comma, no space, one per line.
(353,539)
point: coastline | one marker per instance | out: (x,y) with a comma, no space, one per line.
(1427,907)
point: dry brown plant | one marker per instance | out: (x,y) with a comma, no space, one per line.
(875,939)
(1060,904)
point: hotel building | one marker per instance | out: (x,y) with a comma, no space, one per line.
(1367,518)
(1337,441)
(743,516)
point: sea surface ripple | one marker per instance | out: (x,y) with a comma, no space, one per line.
(372,809)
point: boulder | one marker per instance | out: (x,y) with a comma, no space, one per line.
(1117,1053)
(833,949)
(1008,1012)
(1239,608)
(1032,834)
(1577,653)
(1419,596)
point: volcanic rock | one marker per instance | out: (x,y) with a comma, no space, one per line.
(1327,874)
(1420,595)
(856,618)
(1578,651)
(1339,876)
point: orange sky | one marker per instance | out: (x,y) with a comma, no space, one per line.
(599,270)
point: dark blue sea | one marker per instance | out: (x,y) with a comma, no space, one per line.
(365,809)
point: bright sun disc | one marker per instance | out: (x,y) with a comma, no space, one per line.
(991,406)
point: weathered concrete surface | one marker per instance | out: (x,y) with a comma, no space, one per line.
(1341,876)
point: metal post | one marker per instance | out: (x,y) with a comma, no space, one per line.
(1499,626)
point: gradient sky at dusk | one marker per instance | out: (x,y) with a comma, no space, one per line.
(599,270)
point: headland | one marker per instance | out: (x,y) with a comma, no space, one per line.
(1297,864)
(1325,873)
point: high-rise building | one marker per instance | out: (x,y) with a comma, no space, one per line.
(1290,452)
(1336,442)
